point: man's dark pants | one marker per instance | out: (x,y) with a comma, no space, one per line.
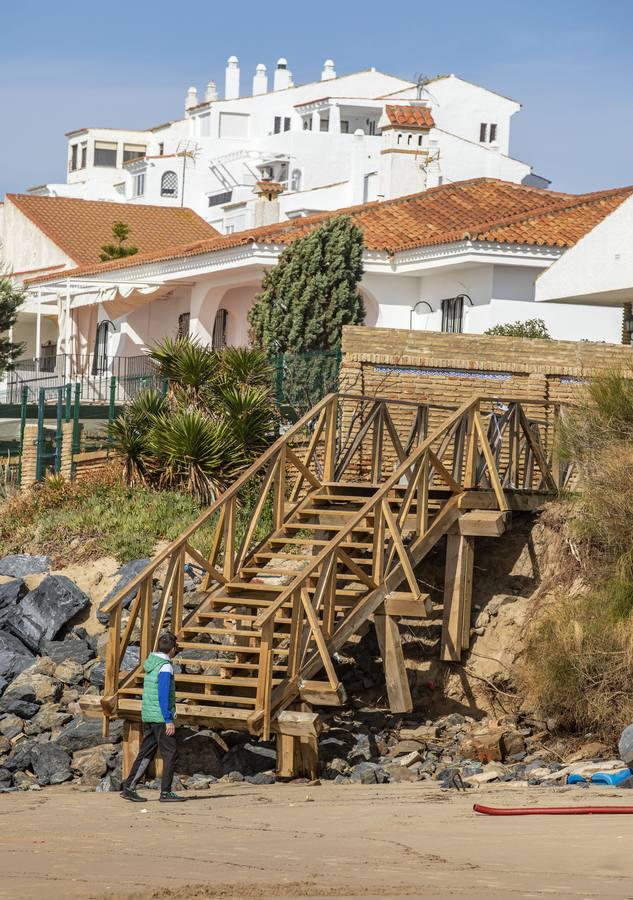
(155,738)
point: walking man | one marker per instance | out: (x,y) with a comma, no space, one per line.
(158,711)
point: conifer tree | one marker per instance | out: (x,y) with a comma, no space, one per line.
(311,292)
(11,298)
(118,249)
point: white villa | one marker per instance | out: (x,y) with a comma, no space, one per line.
(332,143)
(458,235)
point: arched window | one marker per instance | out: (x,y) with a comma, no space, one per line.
(169,184)
(295,180)
(100,358)
(218,341)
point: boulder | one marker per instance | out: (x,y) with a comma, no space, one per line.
(49,717)
(109,785)
(6,779)
(398,774)
(486,746)
(14,656)
(5,745)
(43,688)
(19,565)
(409,759)
(249,759)
(69,672)
(50,763)
(20,759)
(11,725)
(590,750)
(199,752)
(126,573)
(74,649)
(367,773)
(3,684)
(93,762)
(23,691)
(22,708)
(80,734)
(404,747)
(44,611)
(130,661)
(10,594)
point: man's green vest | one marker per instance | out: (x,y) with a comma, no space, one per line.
(150,708)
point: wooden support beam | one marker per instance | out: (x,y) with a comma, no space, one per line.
(287,750)
(321,693)
(483,523)
(458,584)
(403,608)
(390,644)
(298,723)
(132,737)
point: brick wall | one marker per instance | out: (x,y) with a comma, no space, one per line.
(451,368)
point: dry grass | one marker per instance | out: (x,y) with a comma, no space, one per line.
(578,666)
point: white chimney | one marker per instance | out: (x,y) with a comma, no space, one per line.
(282,78)
(211,92)
(191,99)
(232,79)
(260,80)
(328,70)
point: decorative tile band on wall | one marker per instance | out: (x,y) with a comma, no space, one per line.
(445,373)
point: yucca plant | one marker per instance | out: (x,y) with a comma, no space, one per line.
(218,415)
(241,365)
(248,411)
(190,368)
(129,434)
(194,452)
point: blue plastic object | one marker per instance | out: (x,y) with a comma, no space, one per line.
(612,778)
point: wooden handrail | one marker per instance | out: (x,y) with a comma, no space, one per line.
(362,513)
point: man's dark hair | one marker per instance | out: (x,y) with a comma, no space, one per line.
(166,642)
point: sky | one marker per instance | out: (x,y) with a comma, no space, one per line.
(70,64)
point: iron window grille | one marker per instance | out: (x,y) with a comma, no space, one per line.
(453,314)
(218,341)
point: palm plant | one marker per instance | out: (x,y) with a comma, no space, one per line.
(194,452)
(217,416)
(130,431)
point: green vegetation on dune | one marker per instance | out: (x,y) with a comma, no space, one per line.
(579,659)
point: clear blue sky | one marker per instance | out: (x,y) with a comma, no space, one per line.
(73,64)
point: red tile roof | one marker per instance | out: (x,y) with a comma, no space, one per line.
(409,116)
(80,227)
(481,209)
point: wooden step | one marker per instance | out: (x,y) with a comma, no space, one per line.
(207,629)
(222,648)
(229,699)
(229,614)
(232,681)
(223,664)
(317,542)
(192,712)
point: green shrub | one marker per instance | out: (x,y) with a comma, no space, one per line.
(531,328)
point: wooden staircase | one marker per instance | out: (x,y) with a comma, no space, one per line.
(322,533)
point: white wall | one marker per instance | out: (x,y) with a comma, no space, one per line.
(24,246)
(599,268)
(460,107)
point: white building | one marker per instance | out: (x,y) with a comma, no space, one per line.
(332,143)
(460,257)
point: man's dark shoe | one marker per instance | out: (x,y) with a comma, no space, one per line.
(130,794)
(170,797)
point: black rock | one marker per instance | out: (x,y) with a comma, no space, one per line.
(198,753)
(10,594)
(126,573)
(44,611)
(332,748)
(14,656)
(260,778)
(23,692)
(249,759)
(74,649)
(20,759)
(110,784)
(3,684)
(130,661)
(6,778)
(50,763)
(367,773)
(82,733)
(21,708)
(20,564)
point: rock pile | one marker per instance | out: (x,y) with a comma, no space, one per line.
(47,662)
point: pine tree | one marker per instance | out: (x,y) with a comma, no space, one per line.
(118,250)
(11,297)
(311,292)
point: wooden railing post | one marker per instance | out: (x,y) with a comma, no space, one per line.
(146,618)
(178,593)
(228,569)
(279,497)
(470,476)
(376,445)
(329,464)
(265,676)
